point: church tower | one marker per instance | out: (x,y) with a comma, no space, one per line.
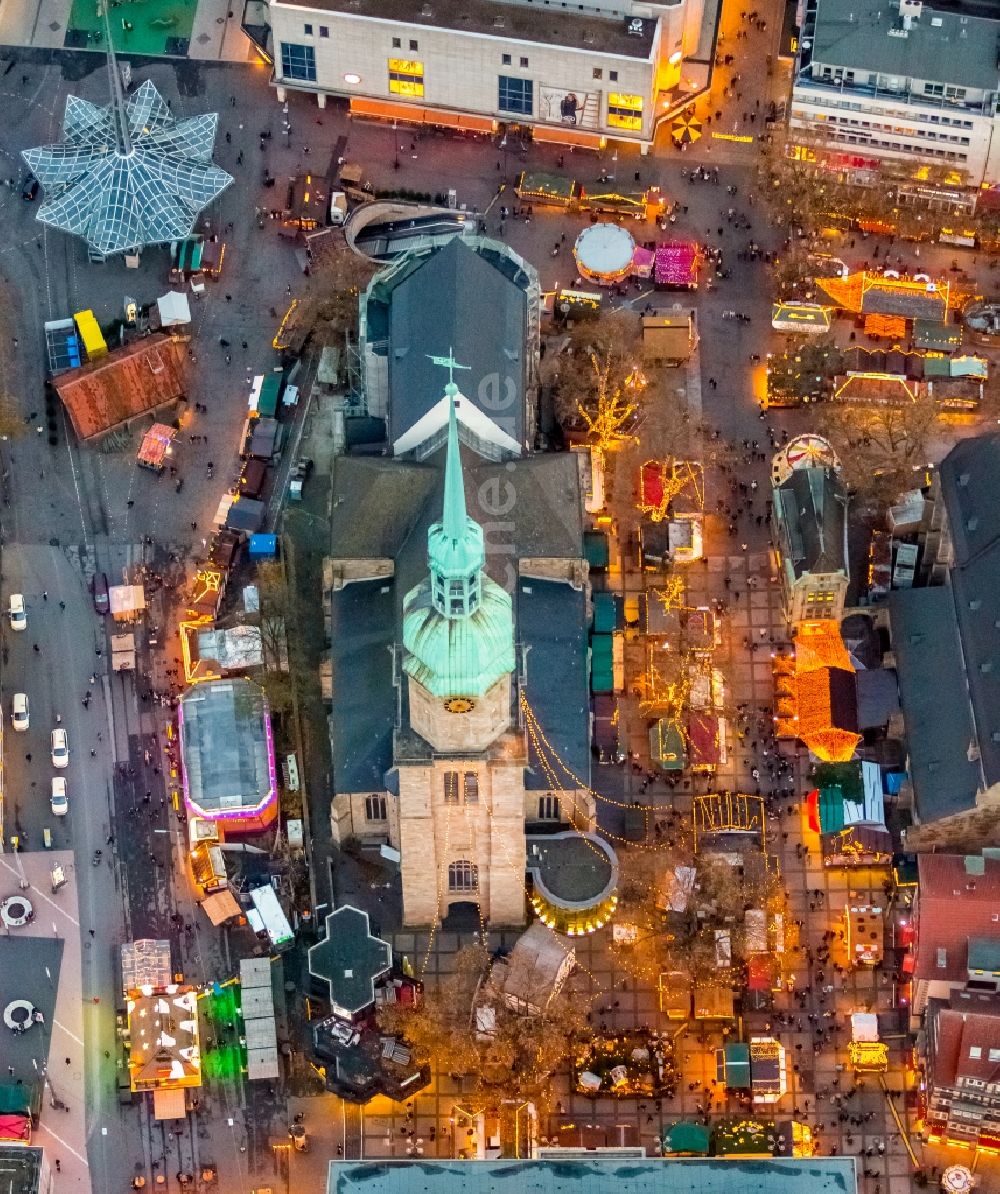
(461,804)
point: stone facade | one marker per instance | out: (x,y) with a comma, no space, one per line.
(456,812)
(455,732)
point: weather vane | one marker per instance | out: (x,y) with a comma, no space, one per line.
(448,363)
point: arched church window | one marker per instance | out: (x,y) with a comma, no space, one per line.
(463,876)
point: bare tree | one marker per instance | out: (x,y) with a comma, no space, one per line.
(509,1054)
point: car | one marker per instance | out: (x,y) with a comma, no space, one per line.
(29,191)
(102,599)
(58,801)
(60,748)
(15,610)
(19,712)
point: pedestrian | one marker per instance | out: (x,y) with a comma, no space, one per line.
(239,158)
(27,756)
(62,606)
(58,1162)
(36,648)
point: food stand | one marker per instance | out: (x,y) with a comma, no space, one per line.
(604,254)
(123,652)
(128,602)
(156,446)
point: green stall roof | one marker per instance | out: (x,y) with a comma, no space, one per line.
(267,403)
(595,549)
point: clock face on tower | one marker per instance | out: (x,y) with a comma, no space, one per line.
(459,705)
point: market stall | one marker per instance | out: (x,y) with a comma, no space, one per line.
(676,265)
(604,254)
(128,602)
(156,446)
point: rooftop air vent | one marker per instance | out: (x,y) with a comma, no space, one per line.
(964,479)
(499,22)
(972,524)
(426,10)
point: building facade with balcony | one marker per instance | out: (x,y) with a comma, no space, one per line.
(574,74)
(904,82)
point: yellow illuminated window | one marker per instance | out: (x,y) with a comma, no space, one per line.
(406,77)
(625,111)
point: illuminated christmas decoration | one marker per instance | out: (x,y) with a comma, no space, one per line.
(816,695)
(868,1057)
(662,482)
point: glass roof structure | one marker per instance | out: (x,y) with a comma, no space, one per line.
(128,174)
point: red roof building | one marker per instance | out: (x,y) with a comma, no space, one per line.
(963,1070)
(956,914)
(129,381)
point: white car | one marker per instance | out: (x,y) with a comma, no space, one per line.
(18,618)
(59,801)
(19,712)
(60,748)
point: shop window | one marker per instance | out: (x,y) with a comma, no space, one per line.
(298,62)
(625,111)
(406,77)
(516,95)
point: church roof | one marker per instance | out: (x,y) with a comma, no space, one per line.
(426,304)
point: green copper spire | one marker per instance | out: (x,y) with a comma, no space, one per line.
(458,625)
(455,548)
(455,518)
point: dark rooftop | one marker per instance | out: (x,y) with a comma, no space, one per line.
(433,306)
(364,701)
(554,27)
(20,1169)
(812,1175)
(939,733)
(349,960)
(552,621)
(945,43)
(572,869)
(811,512)
(970,486)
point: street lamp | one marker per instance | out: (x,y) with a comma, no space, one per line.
(395,146)
(503,146)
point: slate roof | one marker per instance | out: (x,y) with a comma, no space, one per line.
(810,509)
(364,700)
(438,302)
(350,959)
(970,487)
(552,622)
(958,897)
(376,503)
(925,637)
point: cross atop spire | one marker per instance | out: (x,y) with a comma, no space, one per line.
(451,365)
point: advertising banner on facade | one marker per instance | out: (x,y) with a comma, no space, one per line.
(575,109)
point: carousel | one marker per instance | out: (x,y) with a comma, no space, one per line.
(804,451)
(604,254)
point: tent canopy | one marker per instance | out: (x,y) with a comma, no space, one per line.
(174,308)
